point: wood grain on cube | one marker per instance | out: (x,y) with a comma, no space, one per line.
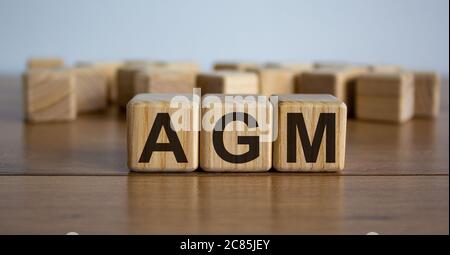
(236,133)
(45,63)
(227,82)
(151,123)
(427,94)
(49,95)
(234,66)
(385,97)
(109,70)
(165,81)
(91,88)
(273,80)
(311,133)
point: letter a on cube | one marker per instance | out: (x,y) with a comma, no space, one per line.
(163,132)
(311,133)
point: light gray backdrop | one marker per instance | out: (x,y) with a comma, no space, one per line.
(413,33)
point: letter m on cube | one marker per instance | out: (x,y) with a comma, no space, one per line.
(311,133)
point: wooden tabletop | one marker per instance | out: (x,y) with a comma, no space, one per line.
(62,177)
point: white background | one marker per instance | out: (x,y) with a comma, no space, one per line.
(413,33)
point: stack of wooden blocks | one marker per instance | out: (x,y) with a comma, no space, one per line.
(53,92)
(301,127)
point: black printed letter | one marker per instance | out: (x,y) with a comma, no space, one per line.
(295,121)
(162,120)
(252,141)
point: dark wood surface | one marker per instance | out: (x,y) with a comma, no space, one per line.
(61,177)
(222,204)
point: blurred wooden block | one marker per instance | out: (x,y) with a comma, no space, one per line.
(181,66)
(91,89)
(228,82)
(311,133)
(385,68)
(385,97)
(273,80)
(109,71)
(161,137)
(234,66)
(142,62)
(427,94)
(165,81)
(45,63)
(126,76)
(337,81)
(169,65)
(49,95)
(332,65)
(297,67)
(236,134)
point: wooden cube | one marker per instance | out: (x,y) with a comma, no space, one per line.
(181,66)
(126,76)
(273,80)
(297,67)
(311,133)
(169,65)
(109,71)
(332,65)
(384,68)
(163,133)
(49,95)
(228,82)
(91,88)
(234,66)
(236,133)
(45,63)
(165,81)
(140,62)
(385,97)
(427,94)
(337,81)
